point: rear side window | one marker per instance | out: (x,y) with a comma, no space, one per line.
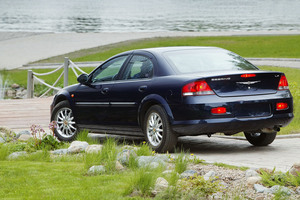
(202,60)
(139,67)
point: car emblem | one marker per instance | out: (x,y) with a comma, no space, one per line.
(248,82)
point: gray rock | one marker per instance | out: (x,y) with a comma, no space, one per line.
(275,188)
(2,140)
(251,173)
(77,147)
(60,151)
(295,169)
(188,174)
(124,156)
(259,188)
(130,148)
(24,132)
(24,137)
(167,172)
(94,148)
(15,155)
(161,184)
(208,175)
(298,190)
(145,161)
(253,180)
(96,169)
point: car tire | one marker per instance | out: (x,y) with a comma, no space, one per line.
(66,128)
(260,139)
(157,130)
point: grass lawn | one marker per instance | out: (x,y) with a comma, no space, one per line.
(58,180)
(246,46)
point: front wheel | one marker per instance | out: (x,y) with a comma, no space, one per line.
(260,139)
(66,129)
(157,130)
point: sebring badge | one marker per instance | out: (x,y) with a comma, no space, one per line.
(248,82)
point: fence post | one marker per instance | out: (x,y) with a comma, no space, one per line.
(30,84)
(66,71)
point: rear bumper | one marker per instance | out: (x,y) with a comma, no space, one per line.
(230,125)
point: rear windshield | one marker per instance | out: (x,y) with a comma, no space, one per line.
(203,60)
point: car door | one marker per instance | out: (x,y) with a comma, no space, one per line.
(93,100)
(127,93)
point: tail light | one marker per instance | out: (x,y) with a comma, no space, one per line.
(248,75)
(283,83)
(219,110)
(282,106)
(197,88)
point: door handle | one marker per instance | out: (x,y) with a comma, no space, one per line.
(142,88)
(104,90)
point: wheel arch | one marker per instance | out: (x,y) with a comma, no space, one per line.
(149,101)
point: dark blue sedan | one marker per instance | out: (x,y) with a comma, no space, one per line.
(164,93)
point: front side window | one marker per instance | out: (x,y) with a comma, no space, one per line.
(139,67)
(109,70)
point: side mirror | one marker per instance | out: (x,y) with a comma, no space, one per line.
(83,79)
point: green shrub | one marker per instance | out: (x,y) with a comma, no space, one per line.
(278,178)
(144,150)
(181,163)
(83,136)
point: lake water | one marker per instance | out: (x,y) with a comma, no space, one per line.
(148,15)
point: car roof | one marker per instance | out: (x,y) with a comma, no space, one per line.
(176,48)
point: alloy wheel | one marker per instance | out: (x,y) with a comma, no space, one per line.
(65,123)
(154,129)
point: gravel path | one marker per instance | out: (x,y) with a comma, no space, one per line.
(20,48)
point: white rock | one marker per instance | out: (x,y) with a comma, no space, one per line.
(209,175)
(298,190)
(24,137)
(161,184)
(77,147)
(259,188)
(15,155)
(94,148)
(285,190)
(59,151)
(96,169)
(251,173)
(188,174)
(253,180)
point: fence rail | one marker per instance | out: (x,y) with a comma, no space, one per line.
(33,76)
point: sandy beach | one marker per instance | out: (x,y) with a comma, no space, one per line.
(20,48)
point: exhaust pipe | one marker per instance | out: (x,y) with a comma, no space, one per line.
(271,130)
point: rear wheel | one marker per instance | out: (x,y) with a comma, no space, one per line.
(260,139)
(66,129)
(157,130)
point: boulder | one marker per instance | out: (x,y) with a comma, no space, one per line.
(94,148)
(283,189)
(24,132)
(77,147)
(147,161)
(259,188)
(253,180)
(251,173)
(208,175)
(295,169)
(59,151)
(96,169)
(16,155)
(188,174)
(24,137)
(298,190)
(15,86)
(124,156)
(161,184)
